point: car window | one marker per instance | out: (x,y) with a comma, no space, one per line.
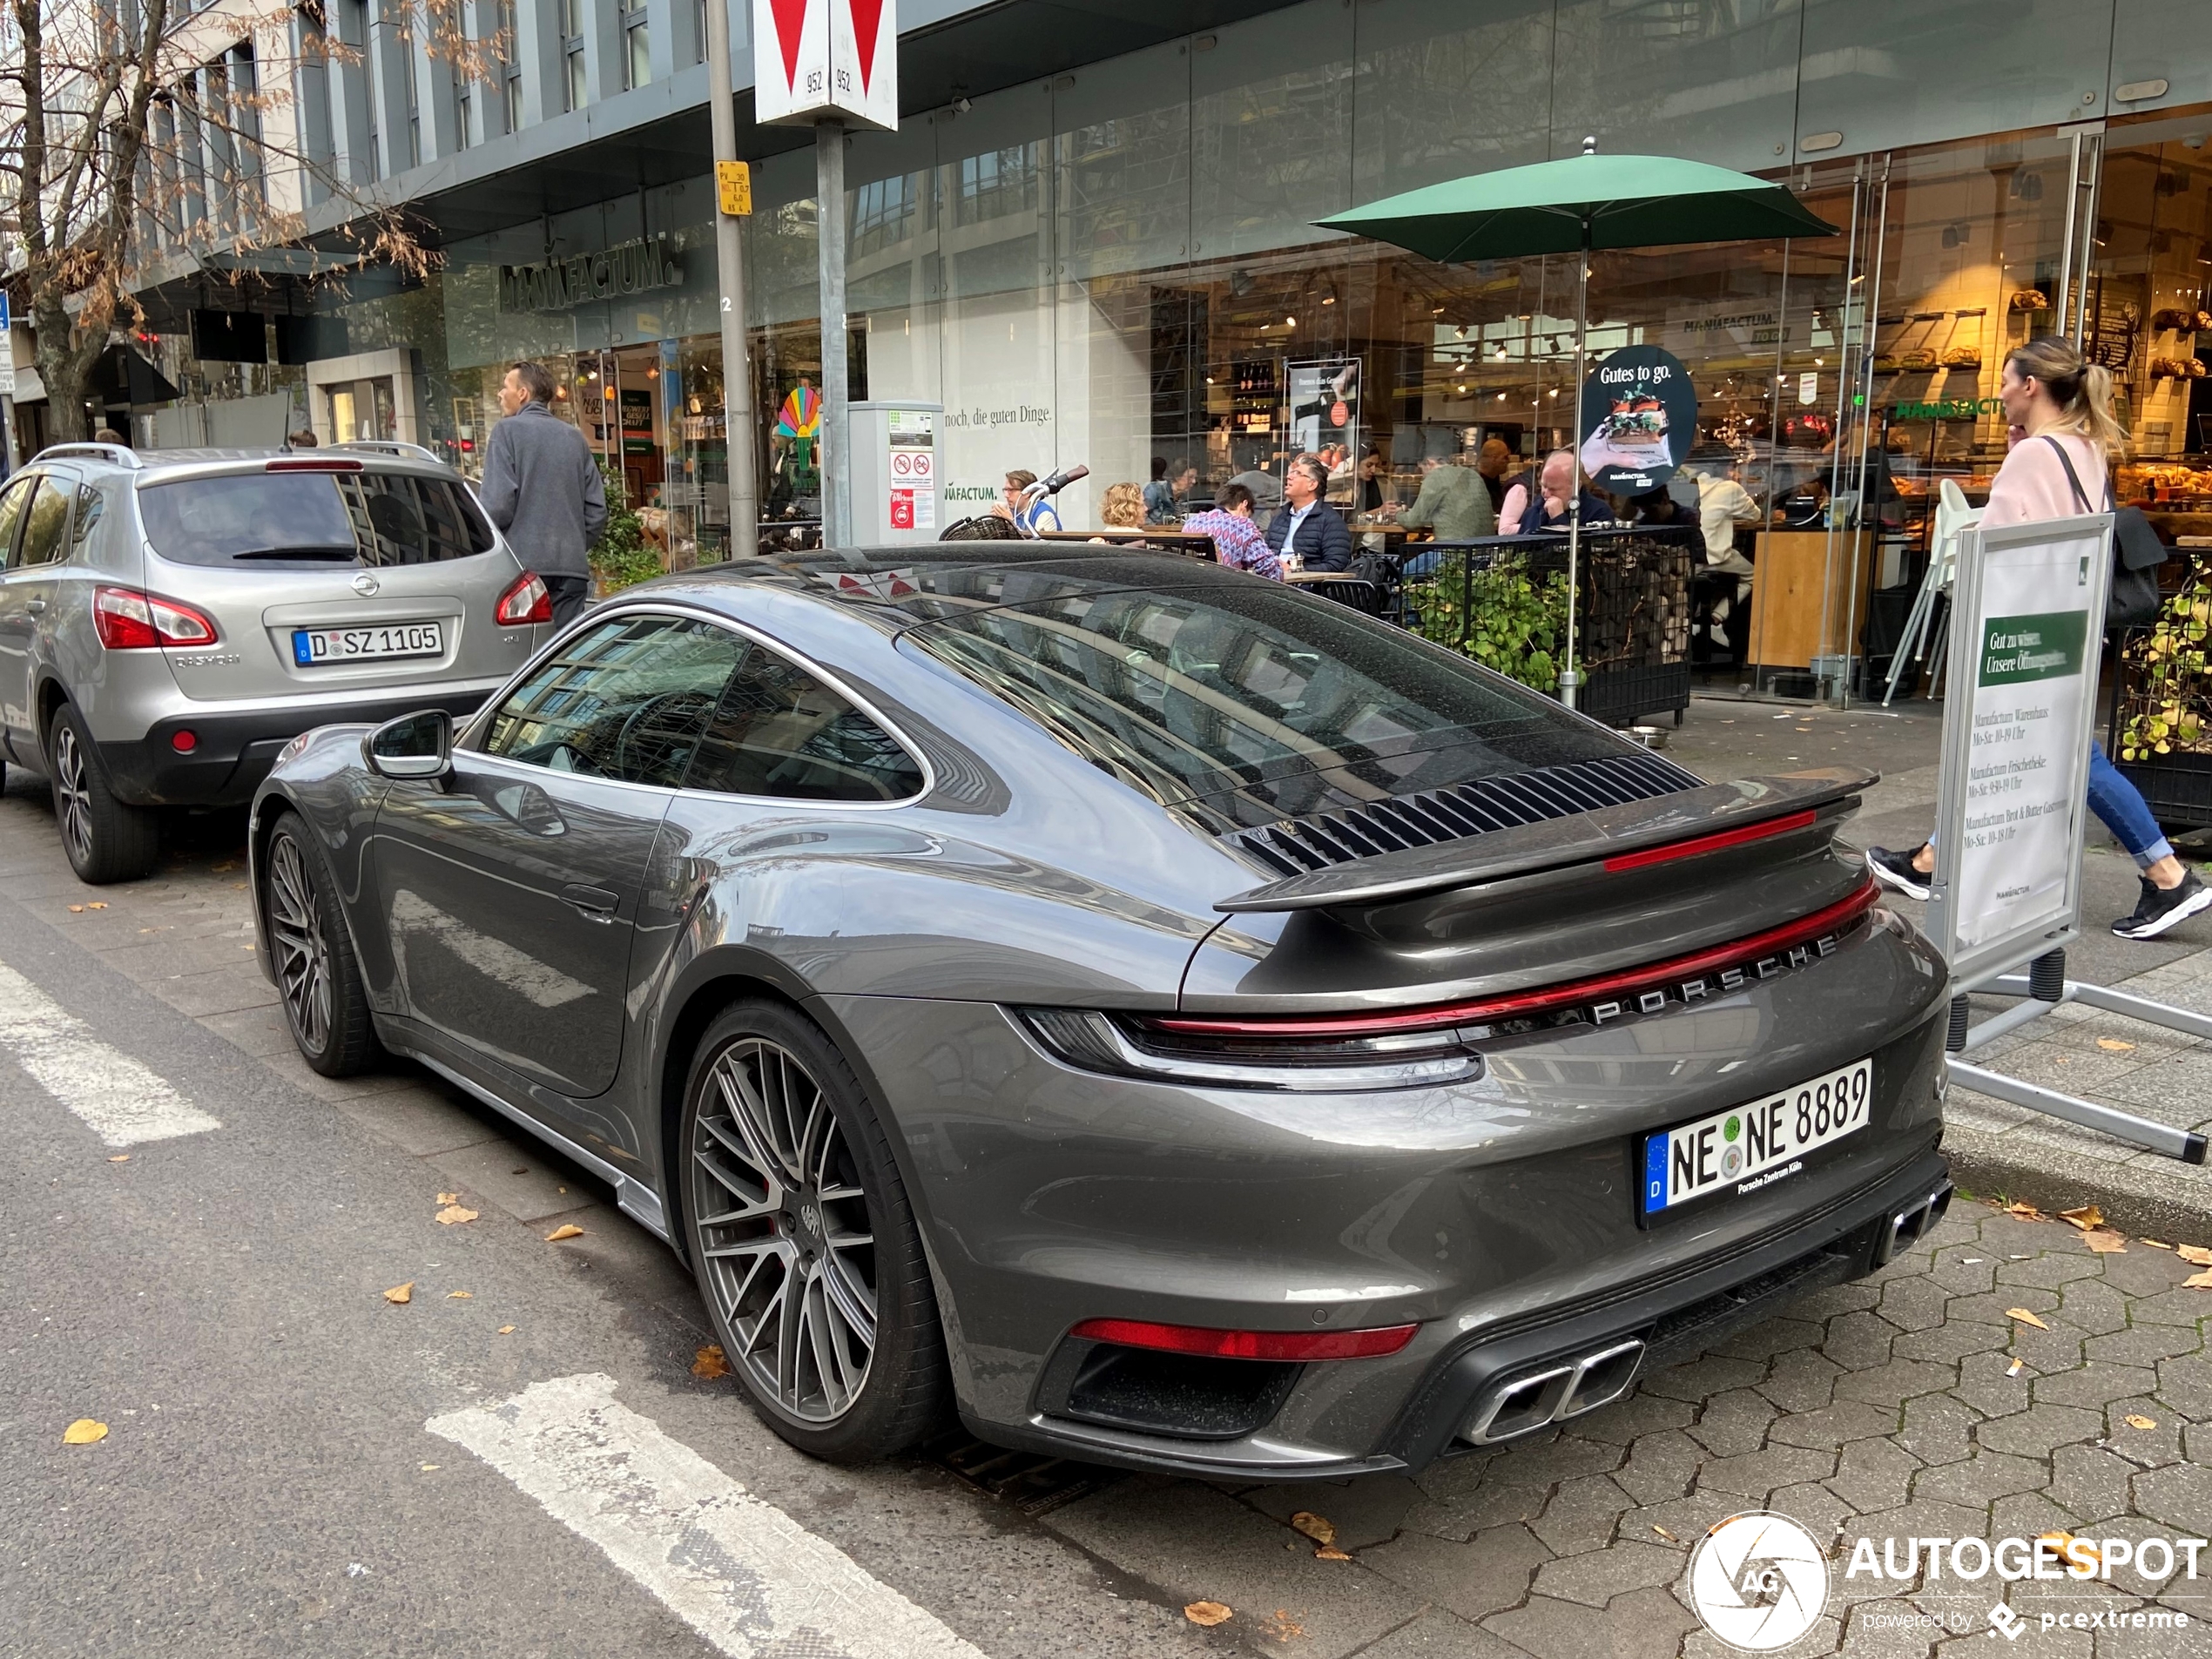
(313,518)
(780,731)
(11,506)
(1233,686)
(92,507)
(48,525)
(627,699)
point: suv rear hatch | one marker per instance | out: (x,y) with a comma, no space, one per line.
(328,575)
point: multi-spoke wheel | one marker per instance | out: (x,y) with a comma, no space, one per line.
(324,1003)
(105,840)
(804,1241)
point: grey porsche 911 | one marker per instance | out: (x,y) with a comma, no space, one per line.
(1169,1019)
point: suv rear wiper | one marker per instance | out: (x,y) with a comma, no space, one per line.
(325,552)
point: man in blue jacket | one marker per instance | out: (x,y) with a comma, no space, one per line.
(1307,525)
(541,487)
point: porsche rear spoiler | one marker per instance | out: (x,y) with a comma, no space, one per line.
(1647,832)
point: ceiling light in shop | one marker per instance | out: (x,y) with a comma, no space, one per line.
(1462,388)
(1501,351)
(1328,299)
(1460,333)
(1290,322)
(1501,397)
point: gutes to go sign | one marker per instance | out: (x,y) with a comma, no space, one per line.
(826,60)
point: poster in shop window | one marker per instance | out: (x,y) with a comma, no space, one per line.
(1639,420)
(2029,616)
(1325,409)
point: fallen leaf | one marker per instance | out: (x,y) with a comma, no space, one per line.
(76,910)
(560,1189)
(1330,1552)
(1318,1528)
(2136,1420)
(2016,1367)
(453,1215)
(2114,1045)
(2025,1317)
(97,904)
(523,1170)
(2085,1217)
(459,1296)
(2071,1549)
(2105,1241)
(83,1432)
(2157,1244)
(2195,1255)
(566,1229)
(506,1330)
(2198,1281)
(1664,1534)
(428,1467)
(2024,1209)
(448,1197)
(710,1362)
(120,1157)
(400,1295)
(1206,1615)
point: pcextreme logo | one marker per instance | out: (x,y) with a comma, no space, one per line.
(1760,1580)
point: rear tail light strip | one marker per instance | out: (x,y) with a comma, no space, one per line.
(126,619)
(1297,1345)
(1713,843)
(1715,960)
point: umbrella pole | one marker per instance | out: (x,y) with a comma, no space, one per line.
(1569,680)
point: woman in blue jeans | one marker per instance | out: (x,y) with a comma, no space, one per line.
(2050,392)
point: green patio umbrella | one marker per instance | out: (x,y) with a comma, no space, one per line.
(1579,205)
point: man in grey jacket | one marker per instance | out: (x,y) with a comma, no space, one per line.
(1454,502)
(541,487)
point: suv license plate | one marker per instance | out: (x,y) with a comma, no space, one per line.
(1748,1147)
(312,647)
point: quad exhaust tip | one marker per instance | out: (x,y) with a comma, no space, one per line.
(1908,1226)
(1526,1404)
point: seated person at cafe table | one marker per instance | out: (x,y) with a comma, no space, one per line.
(1454,502)
(1308,527)
(1237,541)
(1549,513)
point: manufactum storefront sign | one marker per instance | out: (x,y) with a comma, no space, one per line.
(561,284)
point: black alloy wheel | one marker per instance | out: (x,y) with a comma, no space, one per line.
(326,1005)
(105,840)
(804,1241)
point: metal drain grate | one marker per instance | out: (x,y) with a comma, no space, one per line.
(1298,844)
(1034,1485)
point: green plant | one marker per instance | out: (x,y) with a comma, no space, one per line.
(2167,705)
(621,557)
(1513,622)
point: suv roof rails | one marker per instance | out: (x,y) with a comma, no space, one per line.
(122,455)
(389,447)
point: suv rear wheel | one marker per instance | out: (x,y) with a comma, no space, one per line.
(105,840)
(803,1243)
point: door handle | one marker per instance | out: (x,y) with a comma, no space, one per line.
(597,904)
(34,606)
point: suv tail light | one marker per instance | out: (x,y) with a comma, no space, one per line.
(129,620)
(314,464)
(526,600)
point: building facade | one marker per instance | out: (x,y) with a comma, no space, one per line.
(1101,249)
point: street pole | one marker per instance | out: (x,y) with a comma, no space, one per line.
(1570,678)
(738,427)
(829,221)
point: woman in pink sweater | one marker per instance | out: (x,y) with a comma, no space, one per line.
(2055,401)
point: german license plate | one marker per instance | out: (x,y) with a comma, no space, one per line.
(1748,1147)
(313,647)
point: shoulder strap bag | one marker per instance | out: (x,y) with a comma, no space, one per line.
(2132,600)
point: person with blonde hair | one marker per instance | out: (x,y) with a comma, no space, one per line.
(1123,508)
(2060,407)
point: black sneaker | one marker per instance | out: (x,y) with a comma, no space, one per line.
(2161,907)
(1895,871)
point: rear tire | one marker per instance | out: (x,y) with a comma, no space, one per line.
(104,839)
(326,1005)
(803,1243)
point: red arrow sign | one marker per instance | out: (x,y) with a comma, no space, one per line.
(867,21)
(791,24)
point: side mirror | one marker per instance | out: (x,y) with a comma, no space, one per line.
(414,746)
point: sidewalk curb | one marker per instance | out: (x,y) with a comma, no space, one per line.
(2170,1201)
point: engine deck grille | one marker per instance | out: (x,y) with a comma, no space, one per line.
(1298,844)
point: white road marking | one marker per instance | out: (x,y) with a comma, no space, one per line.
(121,1101)
(737,1571)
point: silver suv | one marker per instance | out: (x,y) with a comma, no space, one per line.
(169,621)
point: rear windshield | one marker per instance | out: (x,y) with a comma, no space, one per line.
(1266,702)
(303,518)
